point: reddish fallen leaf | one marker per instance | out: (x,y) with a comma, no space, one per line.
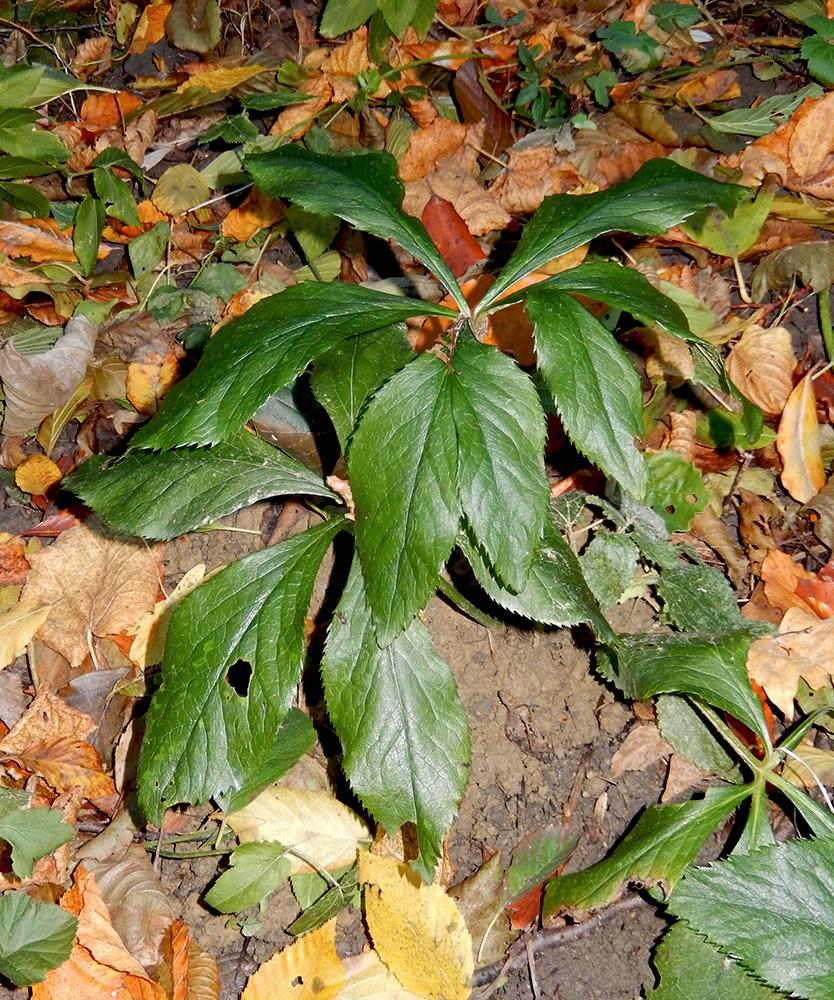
(103,111)
(55,524)
(451,236)
(14,567)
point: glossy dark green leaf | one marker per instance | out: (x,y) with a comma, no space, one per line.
(86,232)
(402,470)
(501,480)
(264,350)
(401,724)
(660,195)
(233,658)
(346,377)
(341,16)
(165,495)
(34,938)
(594,385)
(773,910)
(361,187)
(661,844)
(710,665)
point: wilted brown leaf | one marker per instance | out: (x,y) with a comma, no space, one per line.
(478,897)
(92,57)
(97,585)
(643,747)
(68,764)
(36,384)
(761,364)
(14,567)
(797,442)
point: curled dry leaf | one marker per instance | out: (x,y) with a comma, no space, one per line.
(804,648)
(92,57)
(99,964)
(761,364)
(36,474)
(814,764)
(417,930)
(97,585)
(643,747)
(36,384)
(320,826)
(308,969)
(797,442)
(780,576)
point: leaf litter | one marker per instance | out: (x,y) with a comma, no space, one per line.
(133,206)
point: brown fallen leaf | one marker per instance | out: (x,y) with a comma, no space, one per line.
(761,364)
(299,118)
(643,747)
(780,575)
(69,764)
(14,567)
(37,239)
(36,475)
(17,626)
(308,969)
(148,381)
(99,965)
(36,384)
(797,442)
(97,585)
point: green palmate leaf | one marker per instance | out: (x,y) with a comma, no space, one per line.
(403,468)
(341,16)
(256,870)
(362,188)
(620,287)
(264,350)
(398,716)
(34,938)
(709,665)
(33,833)
(233,658)
(346,377)
(594,385)
(660,195)
(660,846)
(500,438)
(555,592)
(773,910)
(165,495)
(690,968)
(86,232)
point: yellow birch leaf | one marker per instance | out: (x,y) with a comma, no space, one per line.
(797,442)
(417,930)
(148,381)
(17,626)
(221,80)
(324,829)
(180,189)
(308,969)
(150,631)
(366,978)
(36,474)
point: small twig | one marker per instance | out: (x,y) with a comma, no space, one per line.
(467,607)
(825,324)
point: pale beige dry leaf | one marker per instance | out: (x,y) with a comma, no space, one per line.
(761,364)
(366,978)
(681,776)
(138,905)
(308,969)
(48,717)
(643,747)
(98,586)
(36,384)
(478,899)
(92,57)
(811,143)
(149,643)
(417,930)
(804,648)
(324,829)
(17,626)
(814,764)
(797,442)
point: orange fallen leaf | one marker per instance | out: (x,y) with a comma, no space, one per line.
(299,118)
(797,442)
(99,965)
(37,239)
(255,213)
(148,381)
(36,474)
(14,567)
(457,245)
(102,111)
(780,576)
(151,27)
(703,88)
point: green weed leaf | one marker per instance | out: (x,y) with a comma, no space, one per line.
(537,857)
(32,833)
(116,196)
(347,376)
(233,658)
(341,16)
(676,489)
(773,910)
(402,469)
(690,968)
(709,665)
(662,843)
(660,195)
(34,938)
(695,598)
(609,564)
(594,385)
(86,232)
(683,728)
(264,350)
(362,188)
(256,870)
(147,250)
(20,137)
(165,495)
(501,480)
(397,713)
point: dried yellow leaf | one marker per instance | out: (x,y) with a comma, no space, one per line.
(308,969)
(36,474)
(797,442)
(17,626)
(221,80)
(761,365)
(417,930)
(180,189)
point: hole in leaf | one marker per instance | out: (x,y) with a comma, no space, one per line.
(691,498)
(238,676)
(670,508)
